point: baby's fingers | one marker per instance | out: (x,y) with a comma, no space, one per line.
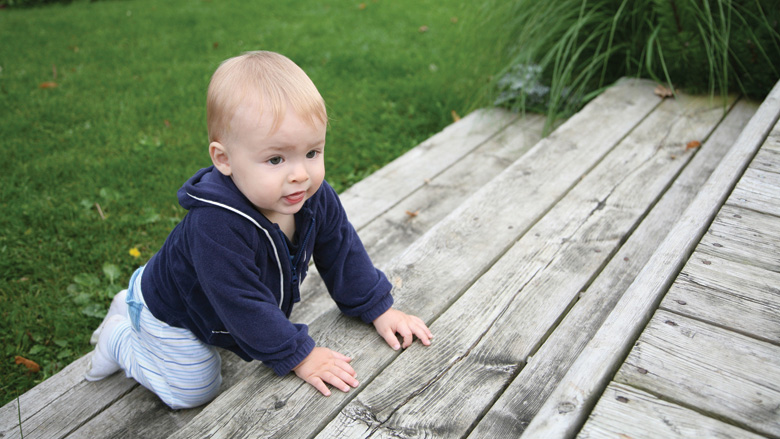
(341,380)
(422,332)
(407,334)
(390,338)
(340,356)
(318,384)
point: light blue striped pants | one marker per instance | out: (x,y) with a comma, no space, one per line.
(171,362)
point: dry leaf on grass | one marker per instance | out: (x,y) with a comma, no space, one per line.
(31,366)
(48,84)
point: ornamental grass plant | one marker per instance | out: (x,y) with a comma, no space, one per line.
(560,54)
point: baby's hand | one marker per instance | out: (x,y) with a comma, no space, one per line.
(394,321)
(322,366)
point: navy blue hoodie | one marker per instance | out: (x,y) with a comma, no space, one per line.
(226,272)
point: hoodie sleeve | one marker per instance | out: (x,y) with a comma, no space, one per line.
(358,288)
(227,256)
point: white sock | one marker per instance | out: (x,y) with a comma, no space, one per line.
(118,307)
(102,364)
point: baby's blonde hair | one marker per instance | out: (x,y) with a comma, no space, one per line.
(267,78)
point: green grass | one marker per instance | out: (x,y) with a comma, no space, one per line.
(125,127)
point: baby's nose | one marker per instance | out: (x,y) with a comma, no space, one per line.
(298,173)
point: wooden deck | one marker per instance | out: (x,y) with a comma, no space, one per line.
(605,281)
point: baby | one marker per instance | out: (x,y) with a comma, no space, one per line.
(228,274)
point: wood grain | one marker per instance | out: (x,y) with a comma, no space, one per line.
(627,412)
(566,410)
(530,287)
(521,401)
(718,372)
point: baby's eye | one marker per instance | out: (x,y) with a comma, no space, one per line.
(275,160)
(312,154)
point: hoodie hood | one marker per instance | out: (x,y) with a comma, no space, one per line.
(207,188)
(210,184)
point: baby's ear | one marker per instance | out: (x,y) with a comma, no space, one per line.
(220,158)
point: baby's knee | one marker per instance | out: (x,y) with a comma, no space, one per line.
(193,397)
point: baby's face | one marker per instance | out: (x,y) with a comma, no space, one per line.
(276,171)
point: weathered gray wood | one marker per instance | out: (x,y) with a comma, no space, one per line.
(566,409)
(767,159)
(436,269)
(744,236)
(383,189)
(401,225)
(55,409)
(759,188)
(520,402)
(626,412)
(738,296)
(715,371)
(529,288)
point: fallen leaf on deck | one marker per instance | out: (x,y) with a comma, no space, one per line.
(412,214)
(662,91)
(48,84)
(693,144)
(32,366)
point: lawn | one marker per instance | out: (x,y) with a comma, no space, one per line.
(102,118)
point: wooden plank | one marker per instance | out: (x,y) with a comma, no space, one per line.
(520,402)
(568,406)
(48,410)
(739,297)
(744,236)
(718,372)
(500,151)
(383,189)
(626,412)
(403,224)
(759,190)
(773,142)
(449,385)
(767,160)
(442,264)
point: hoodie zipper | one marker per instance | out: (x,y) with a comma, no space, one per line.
(294,260)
